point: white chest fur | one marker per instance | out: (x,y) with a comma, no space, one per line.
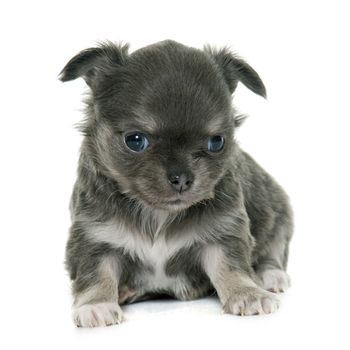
(152,253)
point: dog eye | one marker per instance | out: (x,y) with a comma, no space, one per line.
(215,143)
(136,141)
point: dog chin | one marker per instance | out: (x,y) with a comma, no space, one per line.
(174,204)
(169,205)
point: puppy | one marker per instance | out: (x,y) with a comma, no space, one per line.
(165,200)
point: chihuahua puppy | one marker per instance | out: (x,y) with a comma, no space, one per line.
(165,201)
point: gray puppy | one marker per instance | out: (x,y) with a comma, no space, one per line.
(165,201)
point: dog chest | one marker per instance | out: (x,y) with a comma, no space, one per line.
(153,254)
(155,257)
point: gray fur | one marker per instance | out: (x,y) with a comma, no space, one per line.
(231,226)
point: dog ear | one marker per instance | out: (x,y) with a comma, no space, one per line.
(235,69)
(88,63)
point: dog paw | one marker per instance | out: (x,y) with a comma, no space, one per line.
(275,280)
(97,315)
(251,301)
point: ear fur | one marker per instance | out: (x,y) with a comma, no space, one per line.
(234,69)
(89,62)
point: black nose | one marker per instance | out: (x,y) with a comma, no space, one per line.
(180,182)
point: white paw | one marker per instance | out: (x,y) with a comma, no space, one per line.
(251,301)
(97,315)
(275,280)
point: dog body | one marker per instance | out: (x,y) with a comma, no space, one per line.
(165,201)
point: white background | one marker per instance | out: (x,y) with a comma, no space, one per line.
(300,135)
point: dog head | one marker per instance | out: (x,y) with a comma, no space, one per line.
(160,120)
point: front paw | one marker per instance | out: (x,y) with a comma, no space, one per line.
(251,301)
(97,315)
(275,280)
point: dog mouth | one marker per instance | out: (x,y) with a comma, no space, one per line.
(173,204)
(174,201)
(166,200)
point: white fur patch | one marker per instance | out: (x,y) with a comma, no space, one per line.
(152,253)
(257,307)
(253,301)
(275,280)
(97,315)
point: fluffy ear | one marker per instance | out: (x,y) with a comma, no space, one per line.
(89,62)
(235,69)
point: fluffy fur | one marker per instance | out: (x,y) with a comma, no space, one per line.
(134,234)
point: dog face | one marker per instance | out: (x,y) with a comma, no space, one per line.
(160,121)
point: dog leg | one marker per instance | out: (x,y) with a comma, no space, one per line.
(237,291)
(97,305)
(272,262)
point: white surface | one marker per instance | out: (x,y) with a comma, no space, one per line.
(300,135)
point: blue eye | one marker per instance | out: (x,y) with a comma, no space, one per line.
(215,143)
(136,141)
